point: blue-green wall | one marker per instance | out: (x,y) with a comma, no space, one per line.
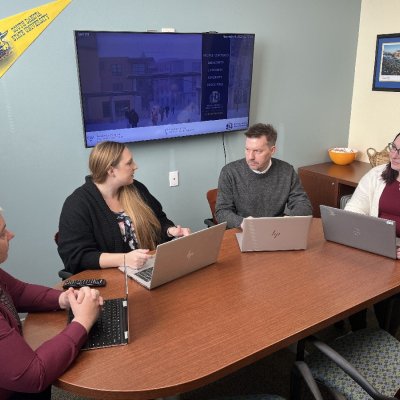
(302,83)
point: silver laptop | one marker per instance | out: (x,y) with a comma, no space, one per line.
(180,257)
(274,233)
(376,235)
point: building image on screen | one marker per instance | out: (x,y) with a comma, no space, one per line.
(146,86)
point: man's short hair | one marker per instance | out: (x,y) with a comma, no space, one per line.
(267,130)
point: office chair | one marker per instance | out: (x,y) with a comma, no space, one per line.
(62,273)
(343,200)
(357,366)
(212,199)
(299,370)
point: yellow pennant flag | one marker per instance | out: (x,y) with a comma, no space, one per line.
(19,31)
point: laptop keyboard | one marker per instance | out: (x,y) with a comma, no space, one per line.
(145,274)
(109,328)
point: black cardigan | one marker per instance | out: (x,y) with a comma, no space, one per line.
(87,227)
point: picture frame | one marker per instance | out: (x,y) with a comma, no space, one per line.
(387,63)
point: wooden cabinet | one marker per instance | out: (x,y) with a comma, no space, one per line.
(326,183)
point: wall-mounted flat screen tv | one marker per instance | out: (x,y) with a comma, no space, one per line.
(146,86)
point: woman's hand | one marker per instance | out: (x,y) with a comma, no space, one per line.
(134,259)
(178,231)
(137,258)
(85,305)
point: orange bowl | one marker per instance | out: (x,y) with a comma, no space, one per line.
(342,155)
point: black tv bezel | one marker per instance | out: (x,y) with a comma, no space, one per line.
(176,135)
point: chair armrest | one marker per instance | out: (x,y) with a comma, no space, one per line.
(342,363)
(304,371)
(63,274)
(209,222)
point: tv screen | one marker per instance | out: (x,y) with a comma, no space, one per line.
(146,86)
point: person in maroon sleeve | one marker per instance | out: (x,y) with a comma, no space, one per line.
(25,373)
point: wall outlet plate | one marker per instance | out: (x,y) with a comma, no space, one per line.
(173,178)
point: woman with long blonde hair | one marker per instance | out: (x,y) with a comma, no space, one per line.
(111,215)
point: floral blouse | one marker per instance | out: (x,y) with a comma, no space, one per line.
(127,230)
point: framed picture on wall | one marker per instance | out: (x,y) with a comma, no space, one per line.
(387,63)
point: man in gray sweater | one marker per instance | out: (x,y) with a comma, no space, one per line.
(257,185)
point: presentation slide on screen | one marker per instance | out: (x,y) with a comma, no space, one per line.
(142,86)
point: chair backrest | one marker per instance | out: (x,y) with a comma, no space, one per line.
(212,199)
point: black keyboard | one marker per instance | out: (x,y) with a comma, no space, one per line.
(111,328)
(145,274)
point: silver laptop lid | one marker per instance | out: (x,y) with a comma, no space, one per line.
(275,233)
(182,256)
(363,232)
(187,254)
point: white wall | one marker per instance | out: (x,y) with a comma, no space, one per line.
(302,83)
(375,115)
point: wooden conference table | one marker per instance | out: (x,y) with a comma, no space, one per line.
(208,324)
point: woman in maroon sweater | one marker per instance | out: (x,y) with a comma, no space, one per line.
(22,370)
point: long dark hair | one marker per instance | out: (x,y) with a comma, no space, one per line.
(389,175)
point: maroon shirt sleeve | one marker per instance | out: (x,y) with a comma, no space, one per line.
(21,368)
(28,297)
(25,370)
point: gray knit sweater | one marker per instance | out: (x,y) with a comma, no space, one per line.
(243,193)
